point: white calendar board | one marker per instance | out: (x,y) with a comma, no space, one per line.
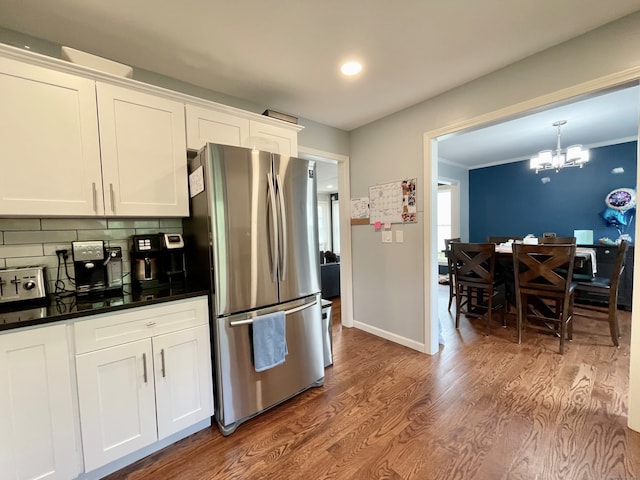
(393,202)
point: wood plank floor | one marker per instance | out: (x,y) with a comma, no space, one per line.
(483,408)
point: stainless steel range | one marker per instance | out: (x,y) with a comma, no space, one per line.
(23,283)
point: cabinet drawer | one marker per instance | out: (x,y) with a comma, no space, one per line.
(102,331)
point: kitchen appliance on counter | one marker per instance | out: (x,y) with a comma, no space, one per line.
(253,239)
(173,270)
(98,269)
(22,283)
(157,260)
(146,260)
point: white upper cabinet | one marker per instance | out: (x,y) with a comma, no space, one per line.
(225,127)
(144,154)
(208,125)
(276,139)
(77,142)
(49,149)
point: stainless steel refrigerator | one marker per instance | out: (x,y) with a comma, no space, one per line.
(253,240)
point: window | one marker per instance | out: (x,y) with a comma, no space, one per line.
(444,217)
(335,223)
(324,225)
(448,215)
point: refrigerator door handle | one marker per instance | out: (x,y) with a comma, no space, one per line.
(249,321)
(274,228)
(283,230)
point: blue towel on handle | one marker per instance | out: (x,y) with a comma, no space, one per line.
(269,340)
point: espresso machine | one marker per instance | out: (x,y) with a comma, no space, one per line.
(98,269)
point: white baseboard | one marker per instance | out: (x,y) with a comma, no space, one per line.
(392,337)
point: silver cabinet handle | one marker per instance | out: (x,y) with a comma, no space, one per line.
(95,197)
(164,372)
(113,201)
(144,367)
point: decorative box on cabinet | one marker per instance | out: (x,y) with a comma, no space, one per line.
(37,429)
(605,262)
(143,375)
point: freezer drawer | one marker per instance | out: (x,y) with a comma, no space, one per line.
(241,391)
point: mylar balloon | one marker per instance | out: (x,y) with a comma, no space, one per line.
(621,199)
(617,217)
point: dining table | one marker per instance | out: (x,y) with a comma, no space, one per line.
(585,267)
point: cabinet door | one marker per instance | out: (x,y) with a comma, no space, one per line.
(116,398)
(49,150)
(37,429)
(184,391)
(274,139)
(206,125)
(144,153)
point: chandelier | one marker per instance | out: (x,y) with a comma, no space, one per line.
(575,155)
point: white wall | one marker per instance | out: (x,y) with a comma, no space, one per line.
(389,279)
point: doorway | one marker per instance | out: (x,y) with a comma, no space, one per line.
(335,168)
(618,80)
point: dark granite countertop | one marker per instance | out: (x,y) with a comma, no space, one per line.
(64,307)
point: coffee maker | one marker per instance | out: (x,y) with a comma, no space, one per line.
(146,260)
(173,270)
(98,269)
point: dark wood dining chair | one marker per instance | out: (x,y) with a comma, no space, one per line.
(556,240)
(451,273)
(607,289)
(476,286)
(544,290)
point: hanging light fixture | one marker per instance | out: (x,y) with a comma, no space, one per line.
(575,155)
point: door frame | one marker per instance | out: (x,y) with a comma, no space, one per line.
(430,152)
(344,196)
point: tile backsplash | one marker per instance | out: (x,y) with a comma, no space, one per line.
(34,241)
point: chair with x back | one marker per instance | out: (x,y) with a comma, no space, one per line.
(544,290)
(607,288)
(447,252)
(476,287)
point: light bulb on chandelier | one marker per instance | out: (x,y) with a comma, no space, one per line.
(575,155)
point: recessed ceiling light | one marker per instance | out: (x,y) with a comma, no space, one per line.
(351,68)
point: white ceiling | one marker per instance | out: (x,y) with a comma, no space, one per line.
(602,119)
(285,54)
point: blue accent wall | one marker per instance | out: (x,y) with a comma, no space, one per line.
(511,199)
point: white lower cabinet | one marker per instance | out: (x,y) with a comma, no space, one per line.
(134,393)
(37,427)
(117,402)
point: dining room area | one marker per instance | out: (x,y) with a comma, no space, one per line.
(544,284)
(513,207)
